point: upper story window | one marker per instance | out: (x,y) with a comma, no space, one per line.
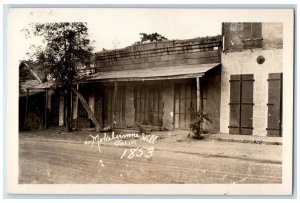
(253,36)
(244,35)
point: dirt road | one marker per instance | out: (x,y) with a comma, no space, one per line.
(57,161)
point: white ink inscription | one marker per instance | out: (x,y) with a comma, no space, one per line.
(125,140)
(138,152)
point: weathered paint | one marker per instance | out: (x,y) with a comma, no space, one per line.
(238,60)
(244,62)
(161,54)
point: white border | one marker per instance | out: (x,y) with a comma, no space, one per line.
(225,15)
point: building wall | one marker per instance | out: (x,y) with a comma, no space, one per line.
(212,83)
(272,34)
(239,58)
(244,62)
(241,36)
(159,54)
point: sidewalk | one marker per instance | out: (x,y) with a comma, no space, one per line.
(246,139)
(182,136)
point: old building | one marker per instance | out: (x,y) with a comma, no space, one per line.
(235,78)
(251,79)
(156,84)
(38,103)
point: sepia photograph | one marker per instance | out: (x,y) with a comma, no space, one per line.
(122,98)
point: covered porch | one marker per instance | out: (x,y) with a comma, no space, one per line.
(160,97)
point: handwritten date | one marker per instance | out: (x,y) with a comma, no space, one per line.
(138,152)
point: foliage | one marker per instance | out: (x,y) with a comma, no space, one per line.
(66,50)
(153,37)
(197,125)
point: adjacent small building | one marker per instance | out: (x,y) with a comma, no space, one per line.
(251,79)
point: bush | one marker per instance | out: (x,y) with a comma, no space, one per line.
(198,121)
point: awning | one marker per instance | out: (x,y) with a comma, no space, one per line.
(156,73)
(28,84)
(44,85)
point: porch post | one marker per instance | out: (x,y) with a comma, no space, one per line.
(46,108)
(71,109)
(26,108)
(199,94)
(114,104)
(76,108)
(61,109)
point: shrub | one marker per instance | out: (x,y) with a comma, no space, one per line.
(198,121)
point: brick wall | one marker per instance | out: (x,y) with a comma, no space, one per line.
(159,54)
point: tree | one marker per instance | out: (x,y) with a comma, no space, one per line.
(66,51)
(153,37)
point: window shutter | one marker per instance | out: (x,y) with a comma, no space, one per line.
(275,105)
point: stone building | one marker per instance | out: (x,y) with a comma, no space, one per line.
(156,84)
(251,79)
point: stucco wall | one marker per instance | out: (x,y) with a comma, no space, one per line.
(212,82)
(244,62)
(239,36)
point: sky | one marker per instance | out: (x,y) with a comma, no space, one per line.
(116,28)
(111,28)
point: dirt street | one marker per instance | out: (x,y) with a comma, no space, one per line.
(50,159)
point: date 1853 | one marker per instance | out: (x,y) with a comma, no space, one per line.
(138,152)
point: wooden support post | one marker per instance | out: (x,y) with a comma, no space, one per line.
(199,98)
(46,109)
(26,108)
(76,108)
(114,104)
(71,109)
(198,94)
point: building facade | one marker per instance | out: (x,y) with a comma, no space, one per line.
(234,78)
(251,81)
(156,84)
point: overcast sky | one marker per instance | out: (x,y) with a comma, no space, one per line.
(117,28)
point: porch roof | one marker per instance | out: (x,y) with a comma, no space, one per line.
(29,84)
(156,73)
